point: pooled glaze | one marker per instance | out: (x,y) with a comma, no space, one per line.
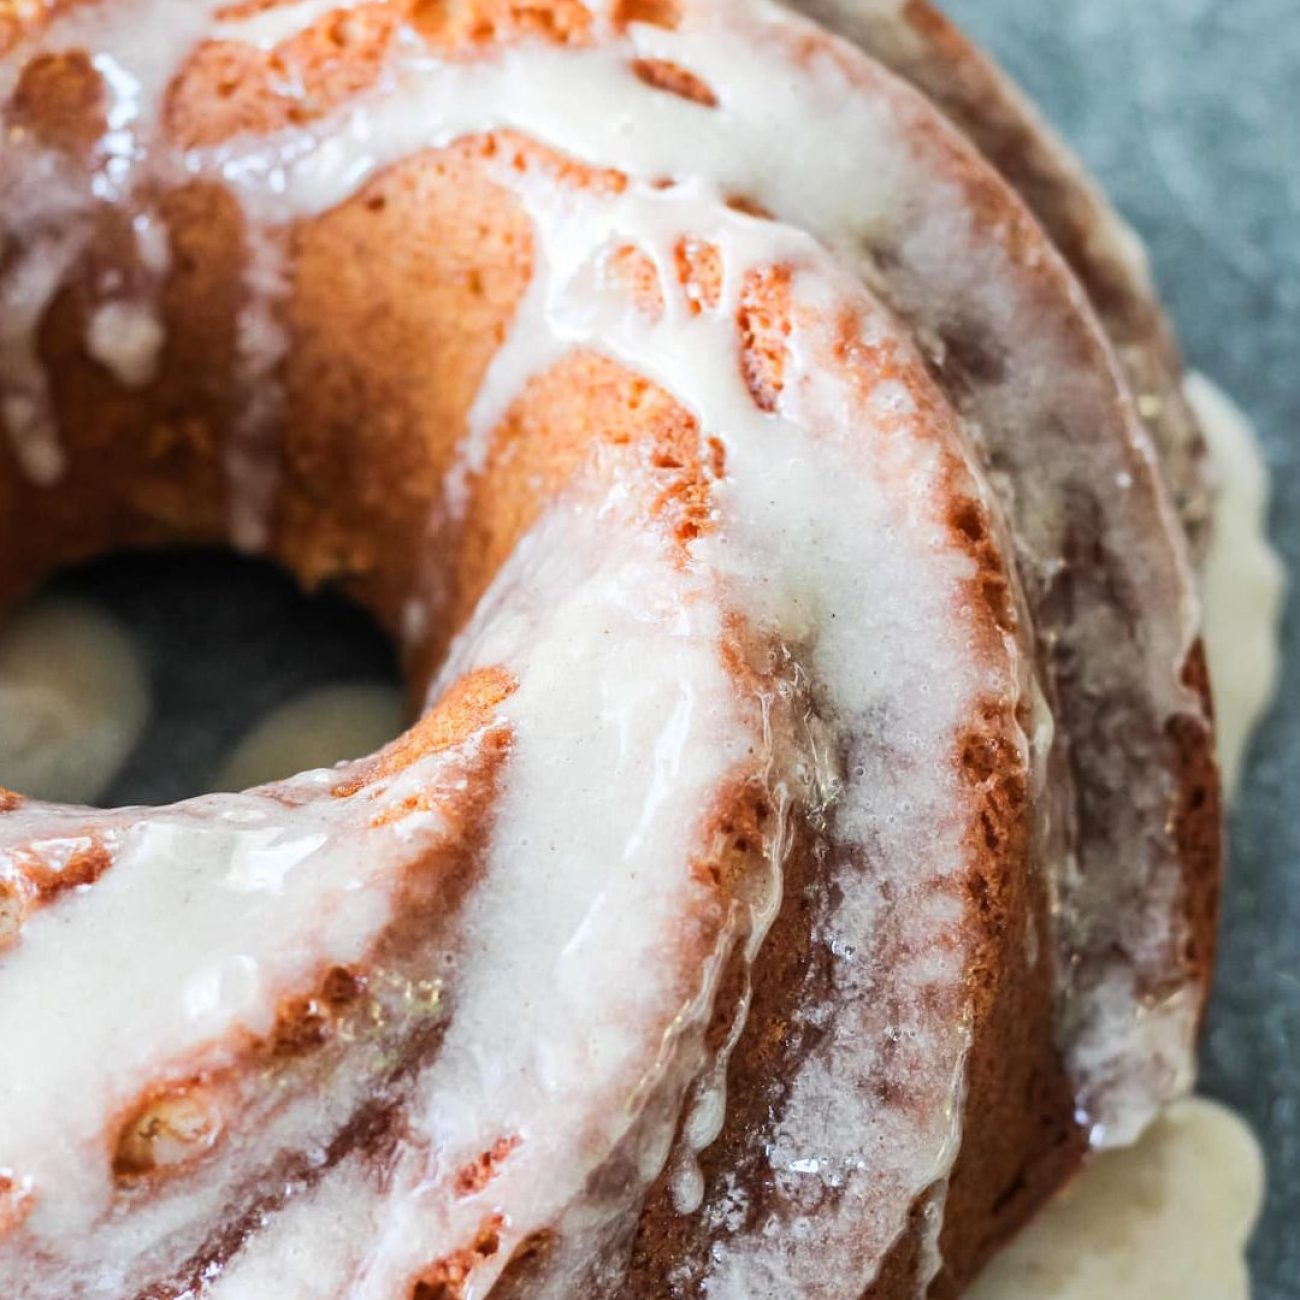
(1168,1217)
(1242,581)
(322,728)
(74,699)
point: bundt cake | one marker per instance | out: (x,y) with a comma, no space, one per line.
(808,845)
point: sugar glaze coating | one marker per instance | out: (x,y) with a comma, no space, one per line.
(775,633)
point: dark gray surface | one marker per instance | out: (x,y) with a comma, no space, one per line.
(223,641)
(1186,109)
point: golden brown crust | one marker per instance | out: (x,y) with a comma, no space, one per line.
(232,87)
(19,18)
(462,711)
(60,99)
(1198,828)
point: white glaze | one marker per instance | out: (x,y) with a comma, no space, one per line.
(856,175)
(791,543)
(261,344)
(25,293)
(1168,1217)
(201,921)
(193,931)
(1242,581)
(74,699)
(905,42)
(837,549)
(137,56)
(268,28)
(324,727)
(861,666)
(127,338)
(570,987)
(1171,1216)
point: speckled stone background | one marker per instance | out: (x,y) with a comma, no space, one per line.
(1188,111)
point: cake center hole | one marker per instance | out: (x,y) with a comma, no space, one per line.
(147,678)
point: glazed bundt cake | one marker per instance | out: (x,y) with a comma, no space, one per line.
(807,848)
